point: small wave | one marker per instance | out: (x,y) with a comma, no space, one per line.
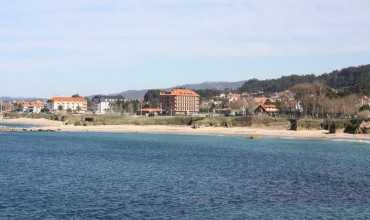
(352,140)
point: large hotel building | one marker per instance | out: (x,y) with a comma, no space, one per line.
(179,102)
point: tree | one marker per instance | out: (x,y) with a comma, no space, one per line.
(119,106)
(346,81)
(152,98)
(311,95)
(90,105)
(364,108)
(206,94)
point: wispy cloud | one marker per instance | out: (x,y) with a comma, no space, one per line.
(115,34)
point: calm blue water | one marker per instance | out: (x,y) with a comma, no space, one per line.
(136,176)
(14,125)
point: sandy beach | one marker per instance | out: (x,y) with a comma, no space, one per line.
(159,129)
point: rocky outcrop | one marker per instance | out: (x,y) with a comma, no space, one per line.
(364,127)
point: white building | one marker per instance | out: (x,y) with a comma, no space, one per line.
(35,106)
(75,104)
(103,104)
(103,107)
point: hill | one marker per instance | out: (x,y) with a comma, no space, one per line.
(348,80)
(133,94)
(139,94)
(214,85)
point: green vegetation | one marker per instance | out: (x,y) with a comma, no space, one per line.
(206,94)
(350,126)
(276,85)
(353,80)
(113,119)
(353,127)
(123,107)
(151,98)
(309,124)
(365,108)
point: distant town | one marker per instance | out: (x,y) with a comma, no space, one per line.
(184,102)
(340,95)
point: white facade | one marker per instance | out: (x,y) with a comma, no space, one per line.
(77,104)
(103,107)
(55,106)
(33,109)
(103,104)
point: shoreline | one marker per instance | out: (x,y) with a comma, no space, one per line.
(248,132)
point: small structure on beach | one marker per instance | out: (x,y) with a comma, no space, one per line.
(149,111)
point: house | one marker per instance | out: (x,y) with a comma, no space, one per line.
(233,97)
(34,106)
(149,111)
(222,96)
(365,100)
(257,93)
(265,106)
(103,104)
(269,109)
(179,102)
(74,104)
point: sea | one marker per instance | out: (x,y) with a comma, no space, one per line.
(157,176)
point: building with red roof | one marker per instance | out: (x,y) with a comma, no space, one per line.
(179,102)
(73,103)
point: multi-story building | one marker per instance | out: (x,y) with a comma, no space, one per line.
(179,102)
(103,104)
(75,104)
(35,106)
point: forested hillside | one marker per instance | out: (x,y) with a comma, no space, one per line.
(346,81)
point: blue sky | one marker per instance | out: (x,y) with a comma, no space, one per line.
(102,46)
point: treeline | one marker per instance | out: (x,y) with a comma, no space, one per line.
(346,81)
(319,101)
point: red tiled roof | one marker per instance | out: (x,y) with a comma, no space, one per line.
(68,99)
(180,92)
(28,104)
(270,108)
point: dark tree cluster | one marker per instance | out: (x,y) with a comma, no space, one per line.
(346,81)
(152,98)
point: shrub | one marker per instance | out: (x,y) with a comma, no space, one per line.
(364,108)
(353,126)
